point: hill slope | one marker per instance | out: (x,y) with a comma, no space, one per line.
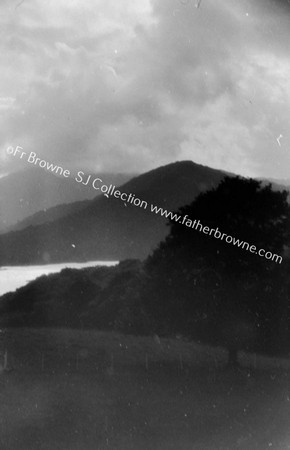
(24,193)
(89,297)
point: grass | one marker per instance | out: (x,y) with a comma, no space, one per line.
(87,390)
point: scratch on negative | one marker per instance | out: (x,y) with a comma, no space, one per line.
(278,139)
(20,3)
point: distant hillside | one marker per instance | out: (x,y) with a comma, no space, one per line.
(50,214)
(27,192)
(285,183)
(102,297)
(278,185)
(107,228)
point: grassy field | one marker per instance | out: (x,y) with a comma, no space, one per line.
(87,390)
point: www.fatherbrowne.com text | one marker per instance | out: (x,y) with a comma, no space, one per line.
(216,233)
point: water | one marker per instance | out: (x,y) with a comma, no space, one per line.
(14,277)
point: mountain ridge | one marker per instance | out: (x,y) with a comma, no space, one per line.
(107,228)
(30,191)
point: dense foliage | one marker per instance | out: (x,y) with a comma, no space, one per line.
(105,298)
(208,289)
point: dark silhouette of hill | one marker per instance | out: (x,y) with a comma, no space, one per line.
(50,215)
(27,192)
(278,185)
(107,228)
(102,297)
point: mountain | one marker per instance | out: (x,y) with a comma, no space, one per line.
(27,192)
(50,214)
(108,228)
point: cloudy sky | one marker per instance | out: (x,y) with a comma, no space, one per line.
(127,85)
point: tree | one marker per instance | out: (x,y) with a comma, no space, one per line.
(212,290)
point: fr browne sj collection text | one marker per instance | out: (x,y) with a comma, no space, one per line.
(33,159)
